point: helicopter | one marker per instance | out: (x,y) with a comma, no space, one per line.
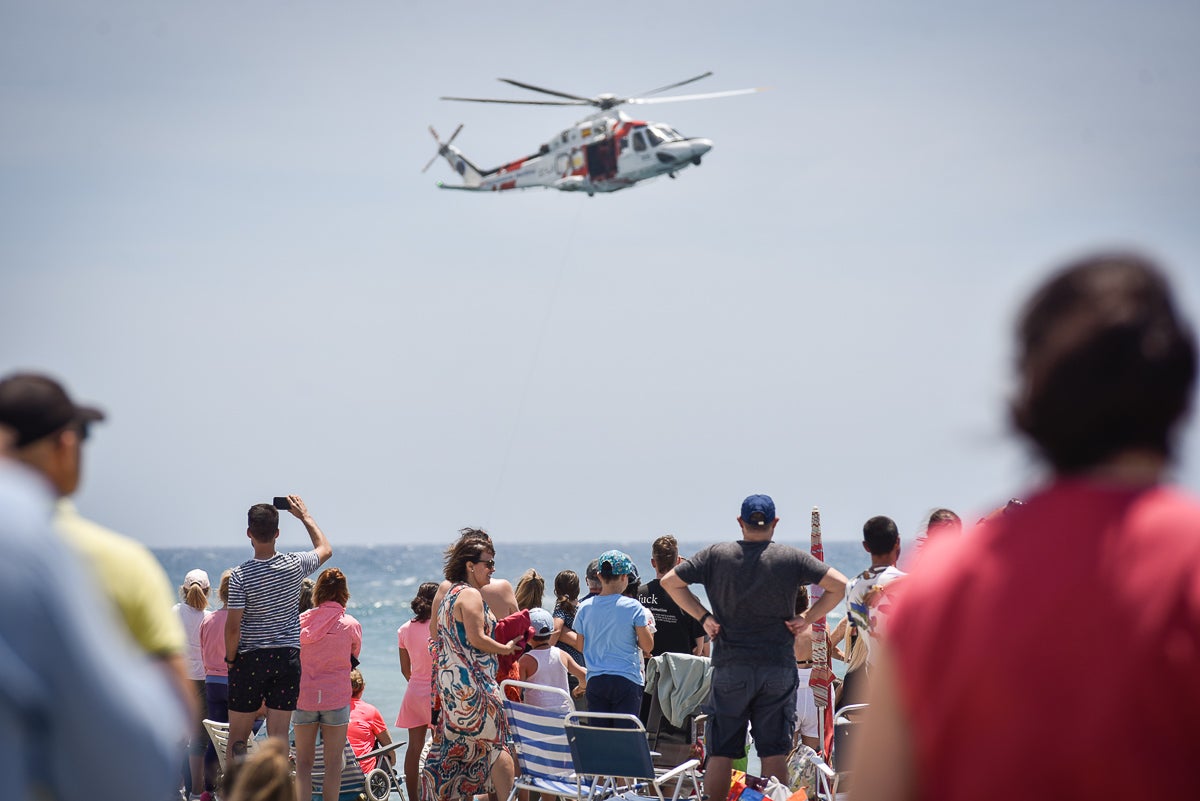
(605,152)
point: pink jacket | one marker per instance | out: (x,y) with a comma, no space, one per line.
(212,643)
(328,637)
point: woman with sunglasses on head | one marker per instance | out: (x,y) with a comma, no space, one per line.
(469,742)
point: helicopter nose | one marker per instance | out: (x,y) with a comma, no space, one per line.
(683,151)
(699,148)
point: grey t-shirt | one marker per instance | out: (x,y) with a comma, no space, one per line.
(752,587)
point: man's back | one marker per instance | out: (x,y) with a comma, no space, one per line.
(268,590)
(752,586)
(676,631)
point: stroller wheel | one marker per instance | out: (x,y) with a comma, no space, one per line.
(379,785)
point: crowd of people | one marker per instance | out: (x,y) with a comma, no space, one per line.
(1106,370)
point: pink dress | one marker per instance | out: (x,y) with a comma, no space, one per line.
(418,698)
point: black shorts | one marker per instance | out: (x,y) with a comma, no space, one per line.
(762,695)
(265,674)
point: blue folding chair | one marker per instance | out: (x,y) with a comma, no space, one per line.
(612,751)
(543,756)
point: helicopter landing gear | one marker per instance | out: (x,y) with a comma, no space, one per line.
(696,161)
(670,175)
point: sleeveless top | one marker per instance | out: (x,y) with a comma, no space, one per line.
(551,672)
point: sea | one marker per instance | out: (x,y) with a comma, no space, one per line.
(384,578)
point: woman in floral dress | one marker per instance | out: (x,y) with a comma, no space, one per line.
(469,744)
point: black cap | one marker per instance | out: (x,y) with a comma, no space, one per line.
(35,406)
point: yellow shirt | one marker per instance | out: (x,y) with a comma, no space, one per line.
(130,575)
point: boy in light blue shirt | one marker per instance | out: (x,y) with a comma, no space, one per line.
(615,633)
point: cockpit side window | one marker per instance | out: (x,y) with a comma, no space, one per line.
(639,142)
(654,136)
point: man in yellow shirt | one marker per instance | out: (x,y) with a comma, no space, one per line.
(50,430)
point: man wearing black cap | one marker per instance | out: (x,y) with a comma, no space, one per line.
(752,585)
(49,430)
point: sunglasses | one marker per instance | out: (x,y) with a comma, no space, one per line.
(491,563)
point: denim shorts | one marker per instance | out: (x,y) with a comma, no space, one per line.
(762,695)
(328,717)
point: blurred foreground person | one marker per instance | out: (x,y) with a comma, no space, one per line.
(1107,706)
(83,714)
(49,430)
(264,775)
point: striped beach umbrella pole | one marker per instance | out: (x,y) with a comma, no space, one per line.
(821,679)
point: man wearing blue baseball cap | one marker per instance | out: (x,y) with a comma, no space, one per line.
(752,585)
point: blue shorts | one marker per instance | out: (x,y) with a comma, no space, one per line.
(327,717)
(762,695)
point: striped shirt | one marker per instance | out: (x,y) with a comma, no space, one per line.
(268,590)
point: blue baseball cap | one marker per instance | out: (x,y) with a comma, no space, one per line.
(761,505)
(622,565)
(542,622)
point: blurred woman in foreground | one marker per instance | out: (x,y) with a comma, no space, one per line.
(1106,371)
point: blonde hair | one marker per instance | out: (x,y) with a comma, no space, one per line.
(265,775)
(530,589)
(194,595)
(223,587)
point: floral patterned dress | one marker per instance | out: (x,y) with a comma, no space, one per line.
(471,729)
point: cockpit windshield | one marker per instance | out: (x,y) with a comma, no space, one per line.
(667,133)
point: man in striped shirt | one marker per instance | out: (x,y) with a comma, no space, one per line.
(262,629)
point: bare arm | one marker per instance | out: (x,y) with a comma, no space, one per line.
(677,588)
(469,611)
(883,762)
(500,597)
(233,632)
(573,667)
(645,639)
(319,541)
(526,667)
(405,665)
(701,647)
(567,635)
(834,584)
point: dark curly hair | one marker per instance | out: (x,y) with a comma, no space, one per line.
(422,602)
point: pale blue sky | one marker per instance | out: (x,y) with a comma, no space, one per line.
(214,226)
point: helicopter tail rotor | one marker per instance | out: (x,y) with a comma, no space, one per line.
(442,146)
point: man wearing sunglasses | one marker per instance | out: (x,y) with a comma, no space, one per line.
(50,429)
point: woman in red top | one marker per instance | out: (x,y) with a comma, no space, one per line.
(1107,707)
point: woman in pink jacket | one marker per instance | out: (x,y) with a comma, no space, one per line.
(329,638)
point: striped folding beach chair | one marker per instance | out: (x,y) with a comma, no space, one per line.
(543,755)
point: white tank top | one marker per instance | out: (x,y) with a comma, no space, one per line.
(551,672)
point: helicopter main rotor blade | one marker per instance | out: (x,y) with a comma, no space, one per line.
(518,102)
(678,98)
(675,85)
(533,88)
